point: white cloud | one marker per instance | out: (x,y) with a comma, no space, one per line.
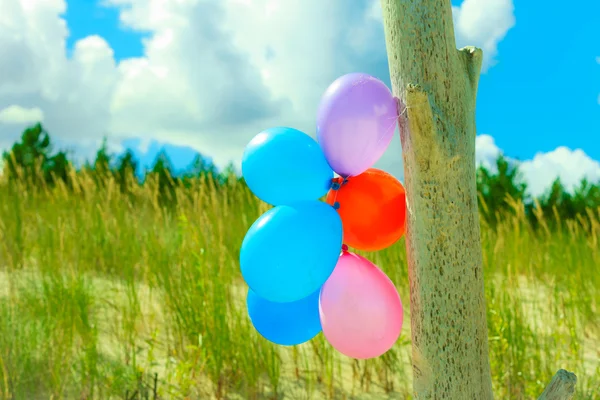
(483,23)
(19,115)
(486,152)
(73,94)
(571,166)
(213,74)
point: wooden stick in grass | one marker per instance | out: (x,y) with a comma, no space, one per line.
(561,387)
(437,85)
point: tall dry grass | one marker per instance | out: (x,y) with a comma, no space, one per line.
(100,290)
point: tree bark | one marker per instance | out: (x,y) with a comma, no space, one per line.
(437,85)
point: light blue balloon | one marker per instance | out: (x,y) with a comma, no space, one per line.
(290,251)
(287,324)
(283,166)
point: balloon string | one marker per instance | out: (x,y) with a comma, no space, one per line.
(335,186)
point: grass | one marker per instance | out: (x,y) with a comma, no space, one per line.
(101,290)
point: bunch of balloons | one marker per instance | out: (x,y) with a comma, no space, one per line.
(299,282)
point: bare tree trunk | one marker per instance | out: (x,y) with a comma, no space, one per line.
(438,85)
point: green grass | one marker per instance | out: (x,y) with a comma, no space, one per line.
(98,292)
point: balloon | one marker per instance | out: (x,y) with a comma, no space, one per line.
(286,324)
(372,206)
(356,121)
(361,312)
(290,251)
(284,166)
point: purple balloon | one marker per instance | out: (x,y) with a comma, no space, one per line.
(356,121)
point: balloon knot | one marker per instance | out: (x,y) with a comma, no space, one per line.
(336,205)
(335,186)
(344,248)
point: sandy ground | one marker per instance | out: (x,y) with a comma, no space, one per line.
(152,325)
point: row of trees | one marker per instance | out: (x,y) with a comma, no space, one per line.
(499,192)
(33,160)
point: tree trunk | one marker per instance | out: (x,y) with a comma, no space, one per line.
(437,88)
(437,85)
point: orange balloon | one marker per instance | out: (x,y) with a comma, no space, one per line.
(372,207)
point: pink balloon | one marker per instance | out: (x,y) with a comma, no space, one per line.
(360,309)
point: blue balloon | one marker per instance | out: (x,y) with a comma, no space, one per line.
(290,251)
(286,324)
(284,166)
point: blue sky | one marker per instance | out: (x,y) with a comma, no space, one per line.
(549,59)
(208,75)
(88,17)
(542,93)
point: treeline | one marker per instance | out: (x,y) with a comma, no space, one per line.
(505,192)
(33,161)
